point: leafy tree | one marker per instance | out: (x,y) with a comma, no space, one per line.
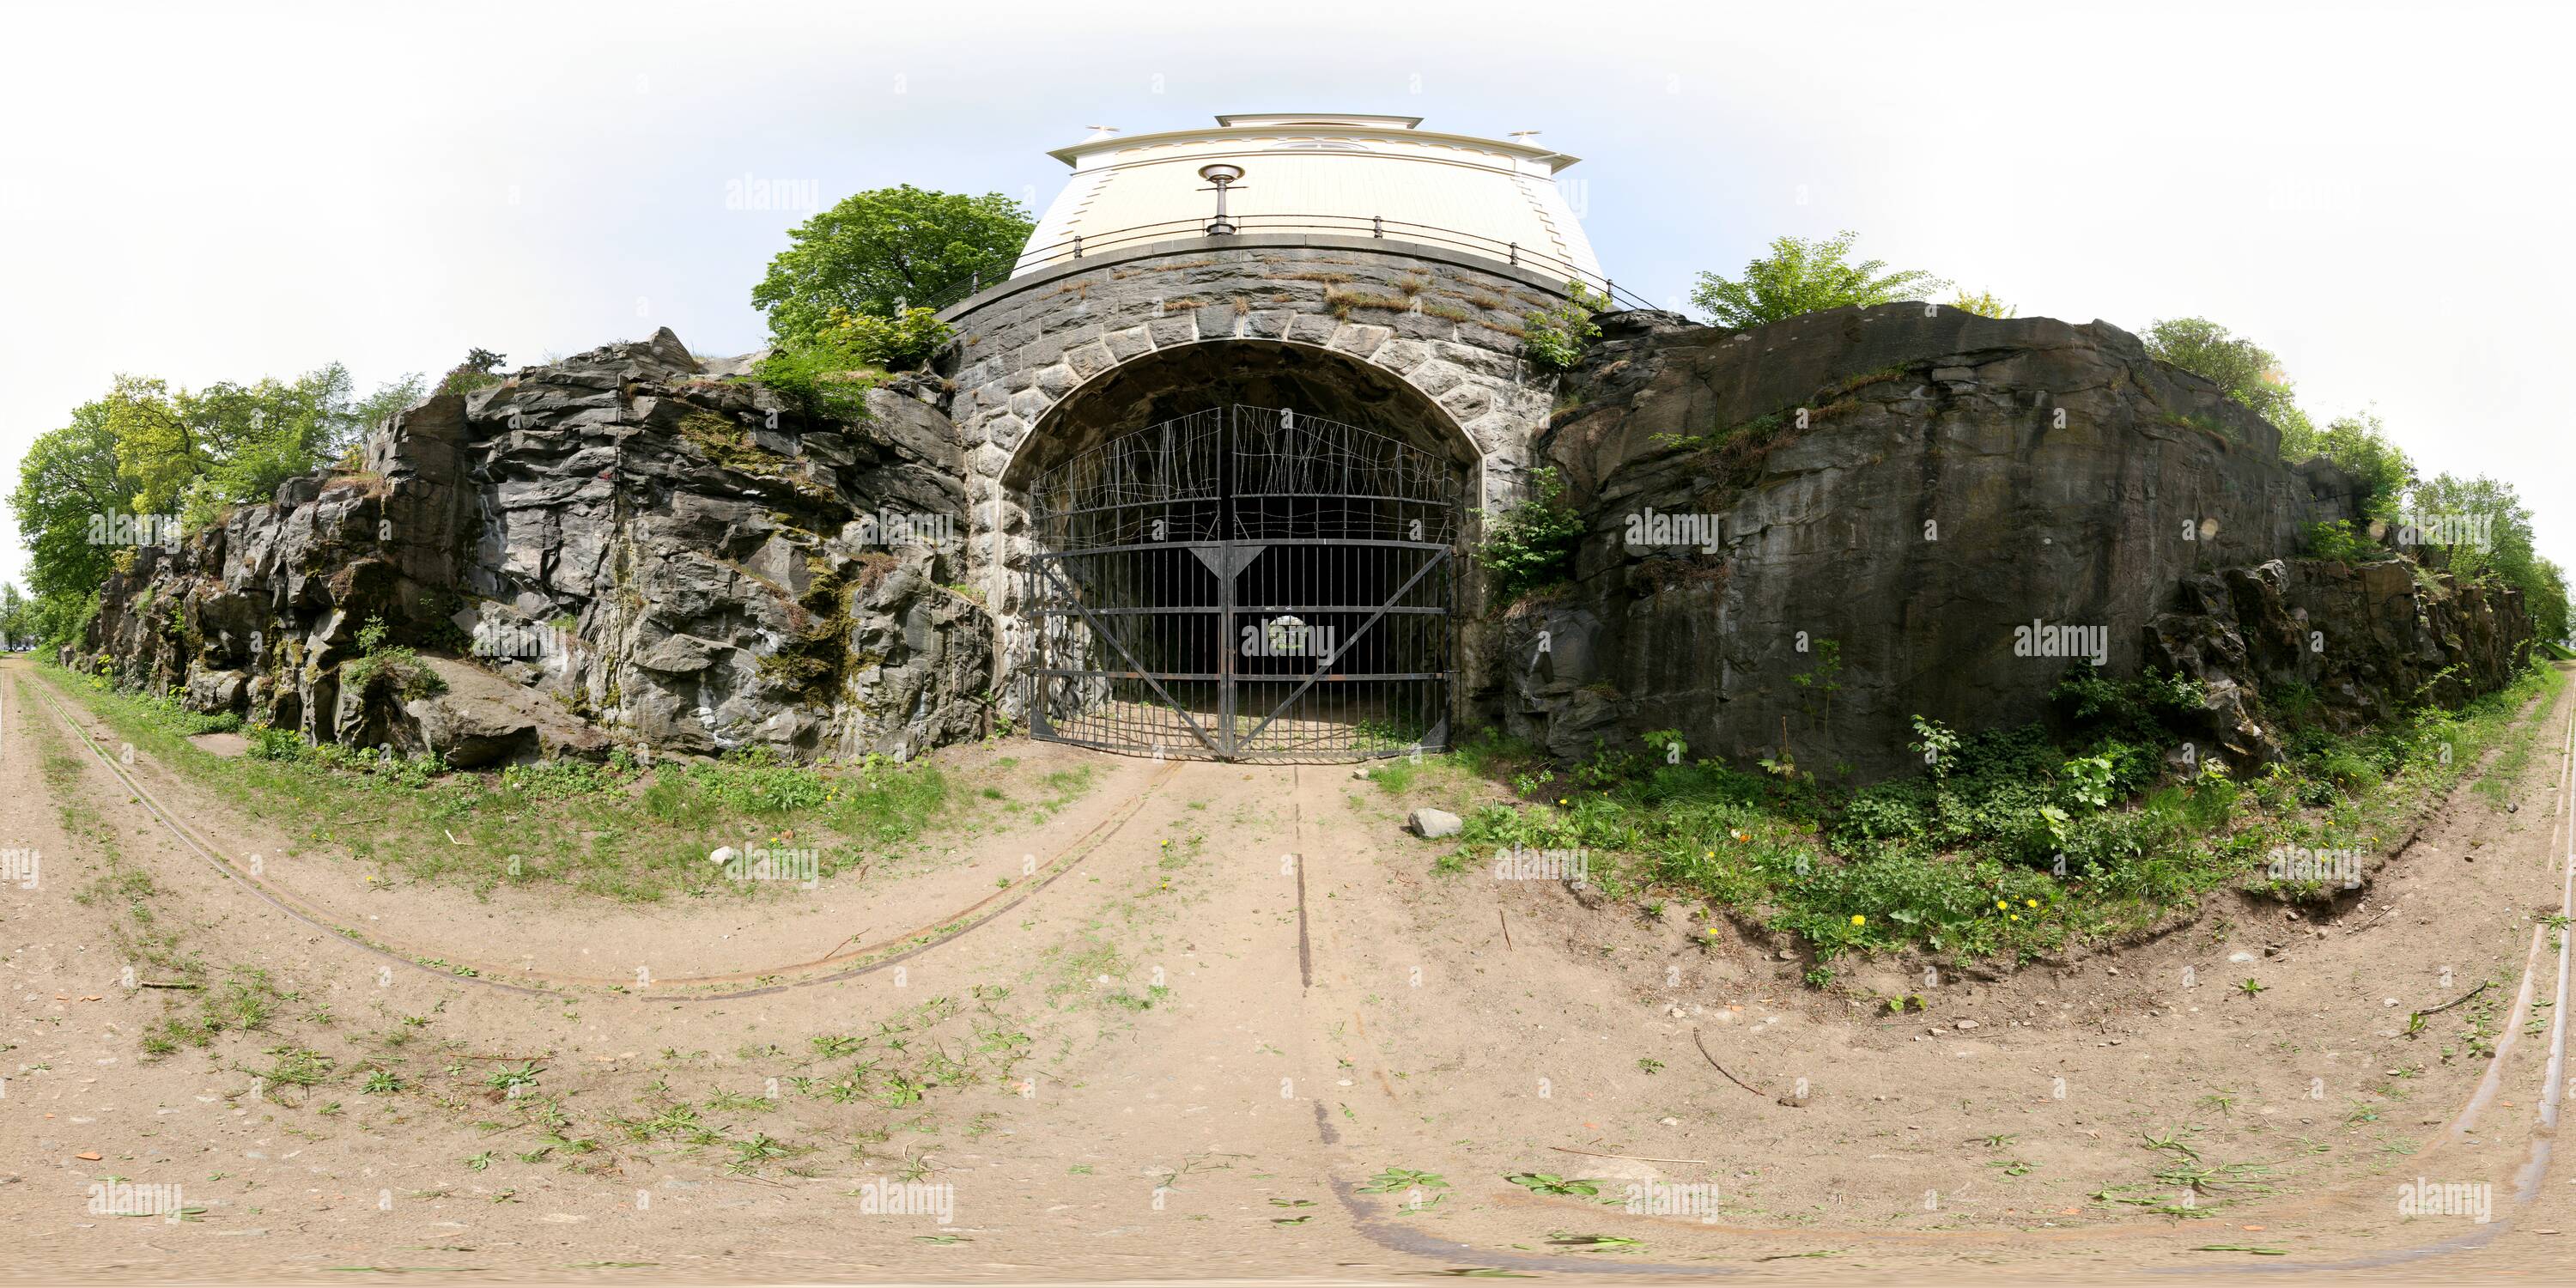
(481,367)
(1802,276)
(265,433)
(67,479)
(160,450)
(881,251)
(390,399)
(17,617)
(2506,554)
(1983,304)
(197,451)
(2359,443)
(146,449)
(2246,370)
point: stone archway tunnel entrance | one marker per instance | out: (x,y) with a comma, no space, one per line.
(1267,575)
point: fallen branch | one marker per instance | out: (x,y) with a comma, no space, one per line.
(1712,1063)
(1507,926)
(172,983)
(2457,1000)
(1634,1158)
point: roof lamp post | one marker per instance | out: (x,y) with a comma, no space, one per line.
(1223,176)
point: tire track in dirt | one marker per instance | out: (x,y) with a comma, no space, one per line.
(838,966)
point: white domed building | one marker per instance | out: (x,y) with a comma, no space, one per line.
(1378,176)
(1230,424)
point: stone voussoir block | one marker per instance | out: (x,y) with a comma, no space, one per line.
(1400,355)
(1313,328)
(1090,360)
(1435,377)
(1358,339)
(1131,342)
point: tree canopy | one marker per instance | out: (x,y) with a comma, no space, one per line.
(68,476)
(197,451)
(2246,370)
(18,625)
(1983,304)
(2360,444)
(882,251)
(2500,545)
(146,449)
(1801,275)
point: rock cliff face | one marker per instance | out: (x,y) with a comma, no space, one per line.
(627,545)
(1805,534)
(1797,537)
(2355,642)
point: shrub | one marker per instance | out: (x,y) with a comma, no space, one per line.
(2140,708)
(1532,544)
(1556,336)
(902,341)
(819,379)
(2338,541)
(1983,304)
(481,368)
(1886,811)
(556,779)
(388,665)
(2246,370)
(268,742)
(1802,276)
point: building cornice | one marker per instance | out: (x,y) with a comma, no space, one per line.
(1077,154)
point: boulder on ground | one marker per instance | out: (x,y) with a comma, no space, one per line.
(1433,823)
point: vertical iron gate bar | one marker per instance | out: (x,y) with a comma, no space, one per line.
(1227,478)
(1320,537)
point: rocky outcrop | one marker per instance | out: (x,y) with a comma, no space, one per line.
(1801,536)
(2351,643)
(623,546)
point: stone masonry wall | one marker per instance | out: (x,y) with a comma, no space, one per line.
(1447,326)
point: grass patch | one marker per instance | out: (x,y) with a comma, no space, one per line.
(2015,843)
(618,831)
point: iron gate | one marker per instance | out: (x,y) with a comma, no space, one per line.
(1245,583)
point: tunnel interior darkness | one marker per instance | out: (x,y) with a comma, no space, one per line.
(1245,545)
(1188,378)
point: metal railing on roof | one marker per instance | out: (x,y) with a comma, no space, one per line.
(1083,245)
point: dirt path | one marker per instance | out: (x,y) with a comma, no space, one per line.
(1247,998)
(543,937)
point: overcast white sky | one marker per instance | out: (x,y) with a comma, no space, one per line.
(2379,193)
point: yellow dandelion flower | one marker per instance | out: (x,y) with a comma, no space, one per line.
(1859,920)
